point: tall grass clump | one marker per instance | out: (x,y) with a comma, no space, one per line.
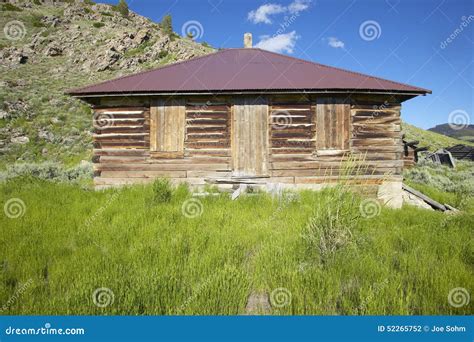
(331,225)
(162,191)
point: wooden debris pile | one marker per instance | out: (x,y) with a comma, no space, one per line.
(442,157)
(410,152)
(461,151)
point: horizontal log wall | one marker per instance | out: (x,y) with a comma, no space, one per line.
(121,138)
(206,150)
(376,134)
(311,141)
(207,128)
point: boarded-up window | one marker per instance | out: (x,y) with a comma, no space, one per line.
(332,124)
(292,127)
(167,121)
(207,127)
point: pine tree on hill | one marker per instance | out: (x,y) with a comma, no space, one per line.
(167,25)
(122,8)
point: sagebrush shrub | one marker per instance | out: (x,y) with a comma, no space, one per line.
(49,171)
(459,180)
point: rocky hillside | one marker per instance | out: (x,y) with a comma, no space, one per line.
(48,49)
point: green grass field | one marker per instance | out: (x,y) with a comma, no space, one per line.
(146,250)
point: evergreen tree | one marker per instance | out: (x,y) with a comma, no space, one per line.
(122,7)
(167,25)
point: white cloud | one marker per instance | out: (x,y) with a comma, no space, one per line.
(280,43)
(298,6)
(263,13)
(335,43)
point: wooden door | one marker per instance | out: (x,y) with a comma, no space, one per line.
(250,137)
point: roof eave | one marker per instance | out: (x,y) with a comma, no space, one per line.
(253,91)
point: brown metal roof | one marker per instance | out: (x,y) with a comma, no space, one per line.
(247,69)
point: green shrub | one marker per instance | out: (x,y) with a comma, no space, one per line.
(46,33)
(163,54)
(48,171)
(107,14)
(174,36)
(10,7)
(205,44)
(162,191)
(122,8)
(444,178)
(36,21)
(98,24)
(444,184)
(138,50)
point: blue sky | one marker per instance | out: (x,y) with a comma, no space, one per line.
(401,40)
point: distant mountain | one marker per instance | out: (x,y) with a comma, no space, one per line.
(430,138)
(465,132)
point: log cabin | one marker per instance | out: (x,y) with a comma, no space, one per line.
(246,115)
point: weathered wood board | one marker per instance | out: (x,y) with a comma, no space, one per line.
(250,137)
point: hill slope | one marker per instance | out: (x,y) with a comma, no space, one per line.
(461,132)
(52,48)
(429,138)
